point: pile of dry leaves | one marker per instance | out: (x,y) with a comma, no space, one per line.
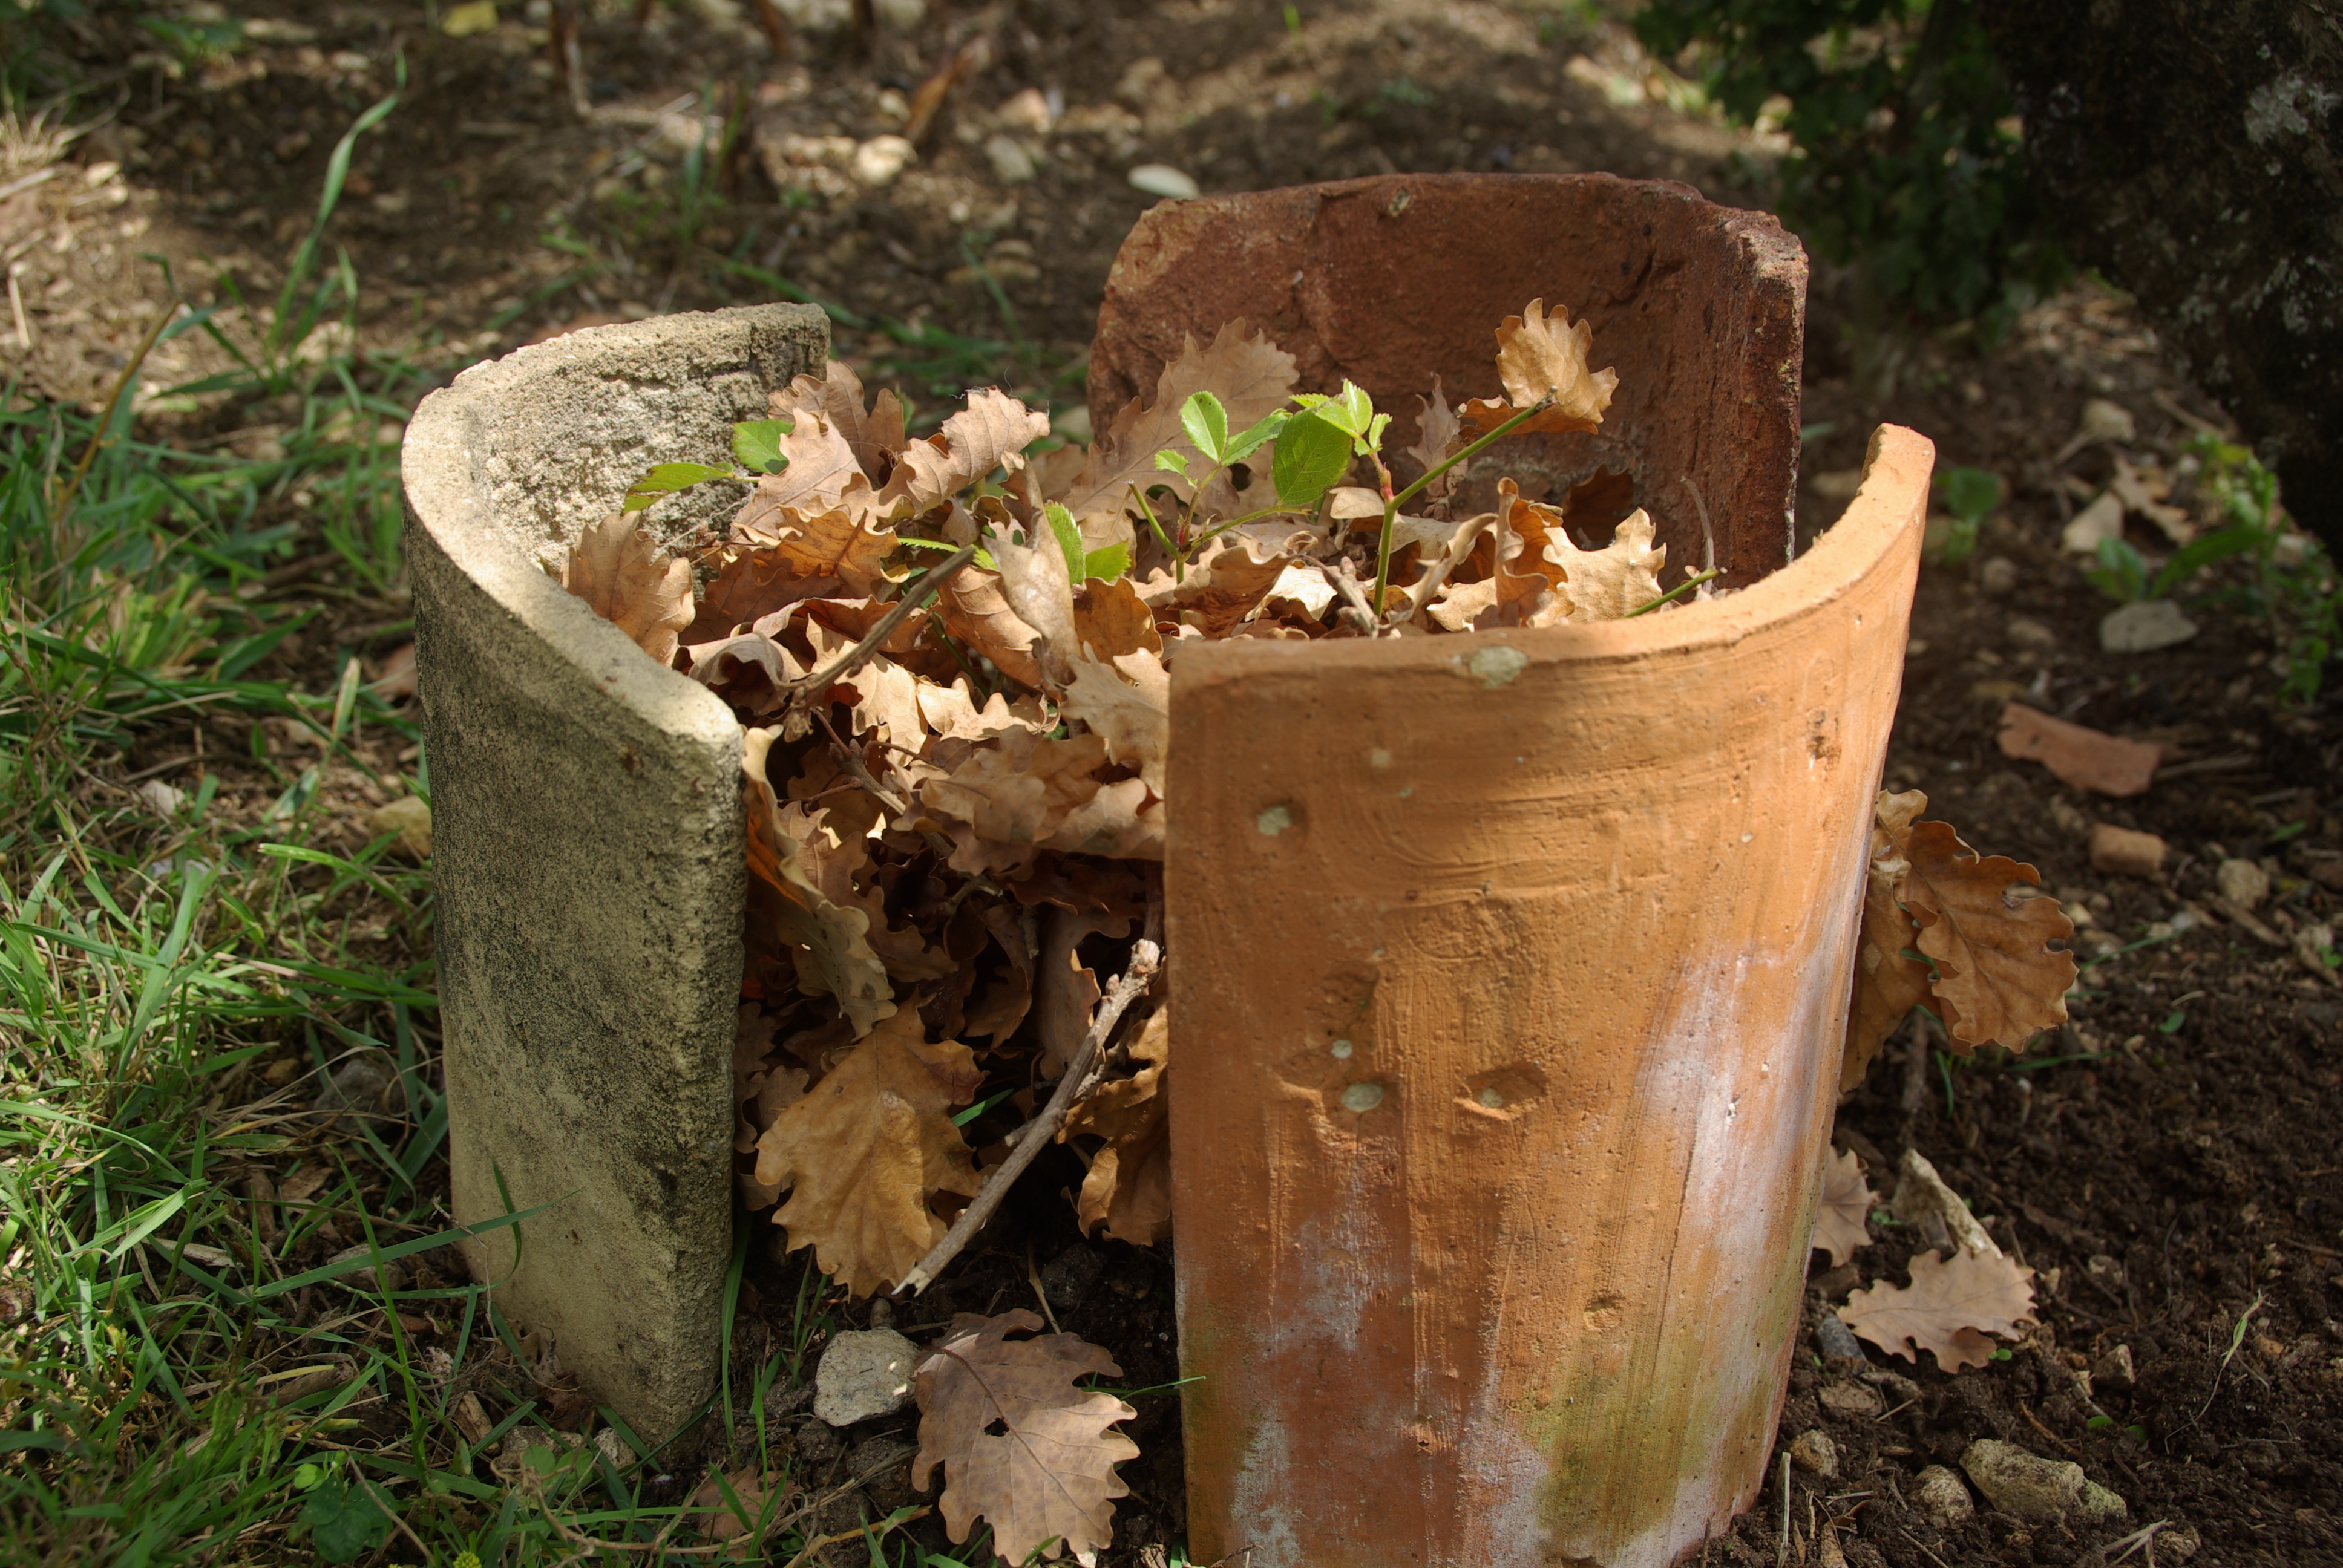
(951,665)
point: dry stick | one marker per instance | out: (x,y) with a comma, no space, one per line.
(914,598)
(1036,1133)
(113,400)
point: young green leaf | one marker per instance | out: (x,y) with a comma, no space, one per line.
(1069,536)
(1171,462)
(1969,493)
(1207,424)
(2120,575)
(756,443)
(1312,454)
(1111,562)
(671,479)
(984,558)
(1251,441)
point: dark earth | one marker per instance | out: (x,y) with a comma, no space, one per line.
(2168,1163)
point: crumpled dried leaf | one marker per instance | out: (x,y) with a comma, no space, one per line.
(874,437)
(1129,703)
(833,545)
(975,609)
(759,1501)
(749,585)
(992,431)
(1615,581)
(866,1149)
(1225,582)
(1251,375)
(1842,1212)
(1536,354)
(1129,1186)
(632,583)
(1998,978)
(750,671)
(822,473)
(1039,593)
(1948,1309)
(830,944)
(1065,989)
(1030,793)
(1049,1472)
(1111,620)
(1438,435)
(1888,983)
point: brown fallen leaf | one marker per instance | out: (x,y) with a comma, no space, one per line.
(867,1147)
(822,473)
(1998,978)
(975,609)
(632,583)
(1128,703)
(829,944)
(750,671)
(834,546)
(758,1500)
(874,436)
(1065,989)
(1111,620)
(1035,585)
(991,431)
(1046,1480)
(1438,437)
(1128,1189)
(1538,354)
(1842,1212)
(1615,581)
(1947,1310)
(1251,375)
(1889,981)
(2075,754)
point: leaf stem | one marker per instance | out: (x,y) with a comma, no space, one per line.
(1683,587)
(855,658)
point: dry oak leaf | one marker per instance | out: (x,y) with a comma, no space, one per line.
(1129,1186)
(750,671)
(749,586)
(628,580)
(1047,1479)
(833,545)
(1129,704)
(1615,581)
(1843,1210)
(1111,620)
(1948,1309)
(975,609)
(1066,989)
(951,714)
(822,474)
(2077,754)
(991,432)
(874,437)
(828,943)
(1995,972)
(1889,981)
(1038,591)
(758,1503)
(1251,375)
(867,1147)
(1538,354)
(1438,437)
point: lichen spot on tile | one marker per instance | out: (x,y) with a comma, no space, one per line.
(1492,1098)
(1379,758)
(1341,1050)
(1276,819)
(1362,1097)
(1496,665)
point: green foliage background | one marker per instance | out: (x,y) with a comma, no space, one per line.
(1908,159)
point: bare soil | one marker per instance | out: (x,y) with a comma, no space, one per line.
(2169,1163)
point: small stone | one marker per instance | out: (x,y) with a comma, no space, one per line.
(366,1085)
(2145,626)
(864,1373)
(2176,1546)
(2102,520)
(816,1443)
(1837,1342)
(1852,1401)
(2242,882)
(2125,852)
(409,817)
(1011,164)
(1997,575)
(2036,1489)
(2068,820)
(390,1276)
(2030,634)
(877,161)
(1163,180)
(1944,1498)
(163,798)
(1815,1453)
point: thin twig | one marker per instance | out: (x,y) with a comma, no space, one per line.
(809,688)
(1036,1133)
(373,1497)
(1707,534)
(113,401)
(1354,597)
(892,1523)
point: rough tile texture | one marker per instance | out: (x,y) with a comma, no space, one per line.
(1509,975)
(588,859)
(1392,280)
